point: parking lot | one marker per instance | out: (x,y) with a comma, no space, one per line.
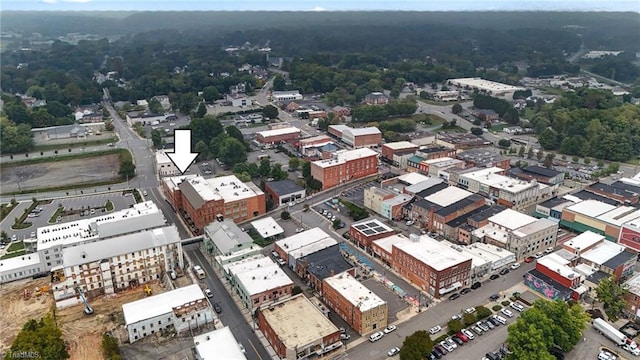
(75,203)
(395,303)
(356,194)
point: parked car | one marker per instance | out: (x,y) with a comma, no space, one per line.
(465,291)
(454,296)
(208,292)
(489,324)
(345,336)
(470,310)
(507,312)
(476,285)
(529,259)
(494,297)
(457,340)
(500,319)
(548,250)
(450,341)
(435,355)
(447,346)
(456,317)
(476,329)
(468,334)
(538,255)
(460,335)
(410,222)
(440,349)
(517,306)
(515,266)
(494,321)
(393,351)
(435,330)
(217,308)
(389,329)
(14,237)
(504,271)
(482,326)
(494,276)
(376,336)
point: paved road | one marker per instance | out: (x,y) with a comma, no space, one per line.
(231,315)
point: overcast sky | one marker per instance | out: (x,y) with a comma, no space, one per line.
(320,5)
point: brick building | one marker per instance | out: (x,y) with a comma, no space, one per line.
(376,98)
(366,231)
(432,266)
(315,267)
(363,310)
(284,191)
(357,137)
(206,200)
(344,166)
(630,235)
(293,336)
(390,149)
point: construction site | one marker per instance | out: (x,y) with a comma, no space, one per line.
(82,329)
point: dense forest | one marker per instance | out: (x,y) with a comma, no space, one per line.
(590,123)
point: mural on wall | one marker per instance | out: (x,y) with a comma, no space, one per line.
(542,287)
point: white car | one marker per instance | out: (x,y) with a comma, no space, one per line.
(515,266)
(376,336)
(14,237)
(456,317)
(208,292)
(507,312)
(470,310)
(389,329)
(410,222)
(468,334)
(450,341)
(447,346)
(517,306)
(393,351)
(434,330)
(605,355)
(538,255)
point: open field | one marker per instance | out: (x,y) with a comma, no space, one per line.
(82,333)
(59,173)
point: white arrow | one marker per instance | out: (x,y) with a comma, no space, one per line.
(182,156)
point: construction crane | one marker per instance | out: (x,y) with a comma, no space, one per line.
(88,310)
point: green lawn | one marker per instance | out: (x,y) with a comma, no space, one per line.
(54,218)
(105,140)
(452,129)
(15,246)
(13,254)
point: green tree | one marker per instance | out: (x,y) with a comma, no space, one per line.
(482,312)
(296,290)
(210,94)
(265,167)
(527,342)
(521,151)
(203,150)
(548,139)
(285,215)
(587,161)
(253,170)
(15,139)
(454,325)
(108,126)
(127,170)
(270,112)
(575,159)
(530,153)
(279,84)
(336,223)
(456,108)
(611,294)
(540,155)
(306,169)
(202,110)
(416,346)
(277,173)
(42,337)
(234,132)
(504,143)
(294,163)
(469,319)
(155,107)
(313,184)
(548,160)
(476,131)
(110,348)
(232,151)
(156,138)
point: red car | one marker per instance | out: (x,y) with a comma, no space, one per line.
(528,259)
(462,336)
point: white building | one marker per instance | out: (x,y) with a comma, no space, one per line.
(287,245)
(164,165)
(286,96)
(485,258)
(486,86)
(218,344)
(237,100)
(181,309)
(50,240)
(102,268)
(258,281)
(228,243)
(350,135)
(267,227)
(450,95)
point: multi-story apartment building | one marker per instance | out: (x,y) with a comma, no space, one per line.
(105,267)
(344,166)
(363,310)
(51,240)
(206,200)
(432,266)
(182,309)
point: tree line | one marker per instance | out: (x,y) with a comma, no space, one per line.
(504,108)
(368,113)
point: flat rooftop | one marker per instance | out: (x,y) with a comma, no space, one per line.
(371,227)
(433,253)
(387,243)
(267,227)
(354,292)
(535,227)
(229,188)
(558,265)
(399,145)
(278,132)
(511,219)
(284,187)
(481,253)
(590,208)
(160,304)
(602,252)
(448,196)
(498,181)
(370,130)
(412,178)
(227,236)
(484,84)
(162,158)
(620,215)
(493,232)
(633,284)
(423,185)
(131,243)
(312,248)
(173,181)
(326,262)
(583,241)
(297,322)
(218,344)
(304,238)
(139,217)
(18,262)
(343,156)
(264,278)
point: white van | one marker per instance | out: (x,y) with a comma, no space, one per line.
(500,319)
(517,306)
(376,336)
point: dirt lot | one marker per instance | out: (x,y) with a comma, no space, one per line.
(82,333)
(58,173)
